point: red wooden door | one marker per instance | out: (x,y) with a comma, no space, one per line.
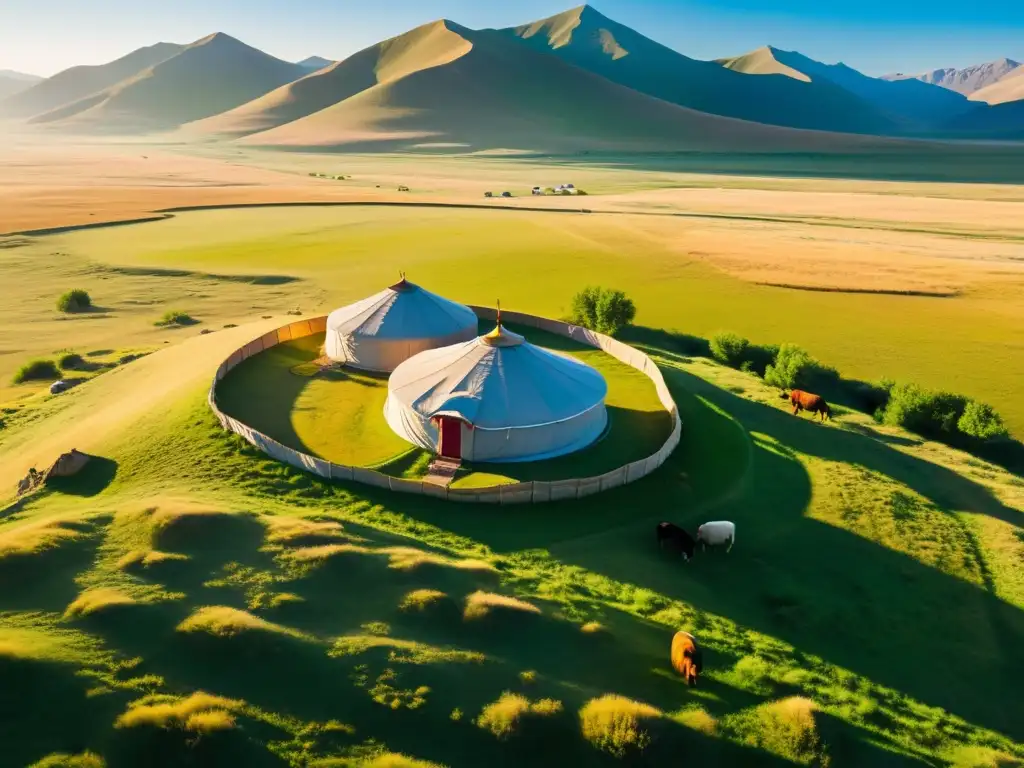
(451,438)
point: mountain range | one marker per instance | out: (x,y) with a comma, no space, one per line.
(12,82)
(968,81)
(576,81)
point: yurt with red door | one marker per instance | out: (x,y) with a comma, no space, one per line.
(497,398)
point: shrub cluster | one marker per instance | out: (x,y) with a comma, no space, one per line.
(943,416)
(602,309)
(950,418)
(174,317)
(37,370)
(74,301)
(71,361)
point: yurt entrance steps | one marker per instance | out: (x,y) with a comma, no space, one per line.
(442,471)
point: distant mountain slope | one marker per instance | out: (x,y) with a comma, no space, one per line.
(1000,121)
(587,39)
(314,63)
(427,46)
(78,82)
(484,90)
(12,82)
(919,106)
(966,81)
(1008,88)
(209,76)
(761,62)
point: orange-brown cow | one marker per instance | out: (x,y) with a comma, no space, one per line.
(686,657)
(805,401)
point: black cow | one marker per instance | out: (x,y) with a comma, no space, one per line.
(677,538)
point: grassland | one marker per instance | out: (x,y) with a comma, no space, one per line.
(189,600)
(338,415)
(206,590)
(972,342)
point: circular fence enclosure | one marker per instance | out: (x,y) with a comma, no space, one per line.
(514,493)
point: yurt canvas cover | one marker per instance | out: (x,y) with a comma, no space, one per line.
(378,333)
(515,401)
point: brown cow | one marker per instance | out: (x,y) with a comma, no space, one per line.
(805,401)
(686,657)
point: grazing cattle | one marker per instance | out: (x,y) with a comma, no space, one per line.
(805,401)
(717,533)
(678,538)
(686,657)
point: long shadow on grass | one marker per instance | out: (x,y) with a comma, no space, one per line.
(830,592)
(826,591)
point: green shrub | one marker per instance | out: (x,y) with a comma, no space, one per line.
(602,309)
(981,421)
(74,301)
(795,368)
(37,370)
(71,362)
(729,348)
(932,414)
(175,317)
(791,367)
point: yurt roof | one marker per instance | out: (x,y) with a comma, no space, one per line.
(498,381)
(402,311)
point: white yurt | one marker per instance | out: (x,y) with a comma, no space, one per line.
(497,398)
(379,332)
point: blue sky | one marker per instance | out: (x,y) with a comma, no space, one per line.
(875,36)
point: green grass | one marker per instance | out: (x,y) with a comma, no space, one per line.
(37,370)
(942,343)
(337,415)
(831,518)
(207,605)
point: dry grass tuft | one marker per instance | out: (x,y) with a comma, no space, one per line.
(422,599)
(94,601)
(33,538)
(786,728)
(222,621)
(505,716)
(64,760)
(146,558)
(482,604)
(395,760)
(200,712)
(618,725)
(982,757)
(593,628)
(402,651)
(324,552)
(297,530)
(409,559)
(697,719)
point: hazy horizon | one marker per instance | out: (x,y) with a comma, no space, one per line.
(875,37)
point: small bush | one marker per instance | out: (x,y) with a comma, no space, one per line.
(37,370)
(932,414)
(64,760)
(618,725)
(729,348)
(175,317)
(791,368)
(602,309)
(74,301)
(504,716)
(71,362)
(786,728)
(982,422)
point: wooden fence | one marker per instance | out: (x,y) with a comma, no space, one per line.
(514,493)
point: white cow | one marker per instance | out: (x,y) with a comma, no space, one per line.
(716,534)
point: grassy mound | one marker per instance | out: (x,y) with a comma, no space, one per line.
(482,605)
(222,621)
(64,760)
(422,600)
(508,715)
(175,318)
(75,300)
(618,725)
(200,712)
(786,728)
(100,600)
